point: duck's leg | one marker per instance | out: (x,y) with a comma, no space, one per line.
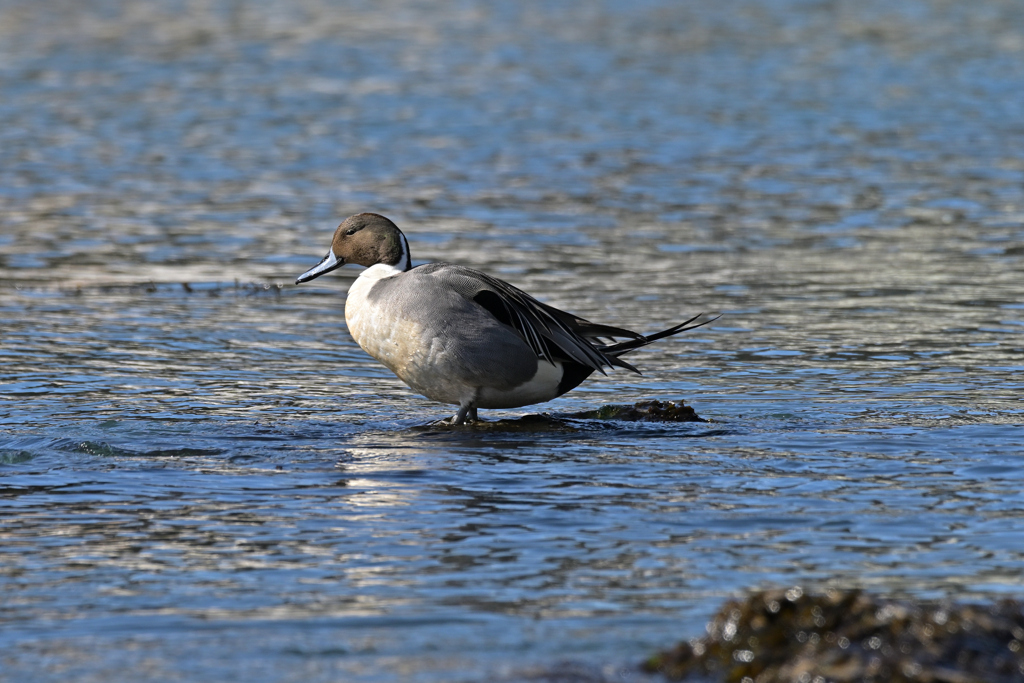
(466,410)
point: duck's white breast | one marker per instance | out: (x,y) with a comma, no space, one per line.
(382,334)
(400,342)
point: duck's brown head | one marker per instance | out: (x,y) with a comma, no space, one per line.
(365,239)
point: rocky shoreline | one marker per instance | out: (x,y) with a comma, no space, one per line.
(847,636)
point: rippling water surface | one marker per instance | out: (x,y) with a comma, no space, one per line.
(203,478)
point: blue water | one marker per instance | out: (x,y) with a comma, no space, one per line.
(203,478)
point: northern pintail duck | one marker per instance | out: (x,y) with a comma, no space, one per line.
(460,336)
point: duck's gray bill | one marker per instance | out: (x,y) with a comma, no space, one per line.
(329,263)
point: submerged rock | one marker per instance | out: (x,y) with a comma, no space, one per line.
(847,636)
(527,423)
(644,411)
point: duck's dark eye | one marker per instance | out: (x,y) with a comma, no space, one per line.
(351,231)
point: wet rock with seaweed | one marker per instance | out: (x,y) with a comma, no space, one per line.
(847,636)
(643,411)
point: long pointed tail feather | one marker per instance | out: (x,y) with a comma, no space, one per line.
(621,348)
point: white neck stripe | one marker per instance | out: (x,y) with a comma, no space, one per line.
(404,262)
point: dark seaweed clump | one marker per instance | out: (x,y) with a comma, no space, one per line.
(644,411)
(846,636)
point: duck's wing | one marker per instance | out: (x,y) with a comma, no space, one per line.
(553,334)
